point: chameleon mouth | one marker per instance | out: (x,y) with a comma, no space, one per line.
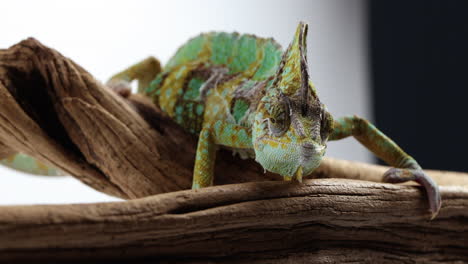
(288,159)
(310,152)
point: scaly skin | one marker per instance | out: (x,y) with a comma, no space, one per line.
(30,165)
(244,93)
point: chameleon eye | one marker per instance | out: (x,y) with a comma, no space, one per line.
(279,120)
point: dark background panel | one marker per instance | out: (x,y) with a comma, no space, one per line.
(419,62)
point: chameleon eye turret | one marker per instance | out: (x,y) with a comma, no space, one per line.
(279,118)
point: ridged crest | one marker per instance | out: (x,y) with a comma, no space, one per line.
(293,76)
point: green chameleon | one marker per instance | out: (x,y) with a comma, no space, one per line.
(244,93)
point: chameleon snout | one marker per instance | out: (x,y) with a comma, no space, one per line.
(311,156)
(310,151)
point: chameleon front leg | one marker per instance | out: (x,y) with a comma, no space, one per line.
(212,135)
(406,168)
(204,160)
(144,71)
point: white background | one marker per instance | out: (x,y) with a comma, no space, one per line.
(107,36)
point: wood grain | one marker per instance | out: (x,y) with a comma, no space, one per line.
(332,220)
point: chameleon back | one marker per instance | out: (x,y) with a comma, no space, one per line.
(208,76)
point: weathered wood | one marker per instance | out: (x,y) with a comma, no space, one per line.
(54,110)
(5,151)
(329,220)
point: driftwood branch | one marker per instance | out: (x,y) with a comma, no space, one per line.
(320,221)
(54,110)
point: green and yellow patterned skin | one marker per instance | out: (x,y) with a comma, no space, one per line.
(244,93)
(29,165)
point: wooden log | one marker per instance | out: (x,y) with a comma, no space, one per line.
(319,221)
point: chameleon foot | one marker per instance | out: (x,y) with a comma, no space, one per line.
(120,87)
(395,175)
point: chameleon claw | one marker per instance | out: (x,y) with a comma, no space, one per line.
(396,175)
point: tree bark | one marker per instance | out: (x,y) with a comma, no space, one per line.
(54,110)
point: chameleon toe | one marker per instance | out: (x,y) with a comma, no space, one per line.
(396,175)
(432,191)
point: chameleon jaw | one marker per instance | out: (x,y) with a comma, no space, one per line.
(292,161)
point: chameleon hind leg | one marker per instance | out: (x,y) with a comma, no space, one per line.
(406,168)
(144,71)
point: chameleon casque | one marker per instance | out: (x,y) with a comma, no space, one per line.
(245,93)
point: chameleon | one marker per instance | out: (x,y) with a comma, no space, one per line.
(244,93)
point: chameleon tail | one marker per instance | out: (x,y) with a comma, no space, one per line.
(28,164)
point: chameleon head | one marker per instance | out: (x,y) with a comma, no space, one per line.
(291,125)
